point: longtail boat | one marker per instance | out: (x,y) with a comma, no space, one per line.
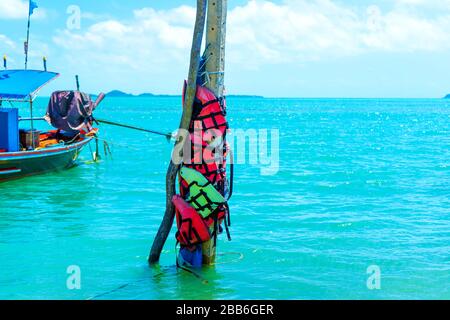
(26,152)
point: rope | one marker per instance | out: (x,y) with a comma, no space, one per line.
(119,145)
(205,59)
(107,149)
(72,140)
(111,291)
(90,151)
(167,135)
(121,287)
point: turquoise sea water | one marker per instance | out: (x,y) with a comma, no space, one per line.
(360,183)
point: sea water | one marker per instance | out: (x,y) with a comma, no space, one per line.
(358,209)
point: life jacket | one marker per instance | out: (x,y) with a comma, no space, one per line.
(209,115)
(208,127)
(203,196)
(192,229)
(48,143)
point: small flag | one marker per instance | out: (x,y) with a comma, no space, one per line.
(44,59)
(4,61)
(33,6)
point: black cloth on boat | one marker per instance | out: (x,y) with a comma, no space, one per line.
(70,111)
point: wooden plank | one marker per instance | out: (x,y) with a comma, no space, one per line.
(215,68)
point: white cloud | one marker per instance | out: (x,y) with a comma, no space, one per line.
(13,9)
(436,4)
(400,32)
(295,30)
(15,52)
(18,9)
(152,40)
(6,43)
(264,32)
(8,48)
(151,49)
(94,16)
(300,30)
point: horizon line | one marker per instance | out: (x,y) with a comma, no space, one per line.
(248,96)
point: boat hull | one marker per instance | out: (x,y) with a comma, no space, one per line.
(15,165)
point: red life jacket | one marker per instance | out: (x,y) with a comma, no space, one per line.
(209,115)
(192,229)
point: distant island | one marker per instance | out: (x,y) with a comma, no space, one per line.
(447,96)
(244,96)
(121,94)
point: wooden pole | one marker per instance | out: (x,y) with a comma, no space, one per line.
(215,70)
(32,124)
(215,45)
(171,175)
(27,44)
(77,80)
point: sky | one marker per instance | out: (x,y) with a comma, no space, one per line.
(284,48)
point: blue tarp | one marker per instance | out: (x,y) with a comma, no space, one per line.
(23,84)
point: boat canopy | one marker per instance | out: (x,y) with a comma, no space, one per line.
(23,85)
(71,111)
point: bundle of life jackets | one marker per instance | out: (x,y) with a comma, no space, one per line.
(201,207)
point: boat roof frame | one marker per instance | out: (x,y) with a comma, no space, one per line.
(32,95)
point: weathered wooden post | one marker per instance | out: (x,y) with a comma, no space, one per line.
(215,45)
(215,72)
(169,215)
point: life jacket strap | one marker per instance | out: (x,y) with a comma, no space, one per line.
(227,222)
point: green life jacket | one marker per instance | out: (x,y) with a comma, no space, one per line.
(202,194)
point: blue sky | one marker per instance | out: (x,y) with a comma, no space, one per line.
(285,48)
